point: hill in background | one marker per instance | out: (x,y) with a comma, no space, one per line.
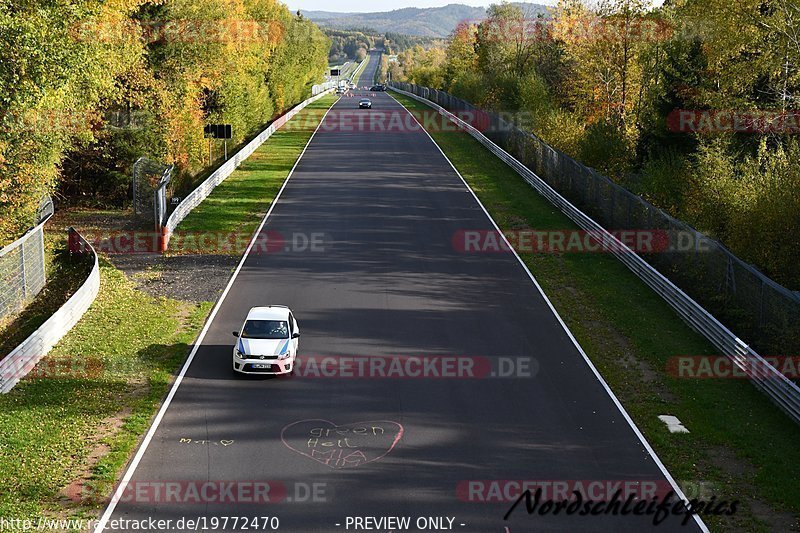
(426,22)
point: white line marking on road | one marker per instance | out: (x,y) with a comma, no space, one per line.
(146,442)
(602,381)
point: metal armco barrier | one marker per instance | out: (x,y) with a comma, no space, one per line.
(197,196)
(322,87)
(24,357)
(763,375)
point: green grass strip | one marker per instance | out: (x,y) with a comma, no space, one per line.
(93,395)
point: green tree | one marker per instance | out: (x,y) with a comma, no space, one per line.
(54,76)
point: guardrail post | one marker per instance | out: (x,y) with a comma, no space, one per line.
(22,272)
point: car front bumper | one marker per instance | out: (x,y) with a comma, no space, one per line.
(271,366)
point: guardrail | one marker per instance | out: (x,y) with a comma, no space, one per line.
(24,357)
(197,196)
(322,87)
(782,391)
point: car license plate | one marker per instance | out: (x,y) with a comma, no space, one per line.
(260,366)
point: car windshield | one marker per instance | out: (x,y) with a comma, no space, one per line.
(265,329)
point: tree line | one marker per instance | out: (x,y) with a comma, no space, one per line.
(353,44)
(693,104)
(350,45)
(88,86)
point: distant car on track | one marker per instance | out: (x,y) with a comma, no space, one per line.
(267,342)
(365,103)
(377,88)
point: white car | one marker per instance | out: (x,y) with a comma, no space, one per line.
(267,342)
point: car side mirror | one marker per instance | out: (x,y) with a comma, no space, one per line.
(235,333)
(296,335)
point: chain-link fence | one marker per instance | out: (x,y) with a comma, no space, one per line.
(758,309)
(22,265)
(24,357)
(150,180)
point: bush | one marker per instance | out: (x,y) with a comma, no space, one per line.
(605,148)
(713,193)
(663,181)
(766,221)
(469,86)
(541,115)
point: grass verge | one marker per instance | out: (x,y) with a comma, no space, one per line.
(740,446)
(69,429)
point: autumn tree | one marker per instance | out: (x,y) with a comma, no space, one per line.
(460,58)
(87,87)
(53,77)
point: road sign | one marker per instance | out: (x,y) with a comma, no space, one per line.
(218,131)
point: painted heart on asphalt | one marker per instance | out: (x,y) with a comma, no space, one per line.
(342,446)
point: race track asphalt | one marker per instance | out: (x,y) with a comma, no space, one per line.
(385,279)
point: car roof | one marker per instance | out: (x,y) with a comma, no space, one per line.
(365,99)
(272,312)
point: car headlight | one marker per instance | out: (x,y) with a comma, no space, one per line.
(239,354)
(284,356)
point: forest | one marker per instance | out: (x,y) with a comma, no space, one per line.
(693,105)
(349,45)
(89,86)
(352,45)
